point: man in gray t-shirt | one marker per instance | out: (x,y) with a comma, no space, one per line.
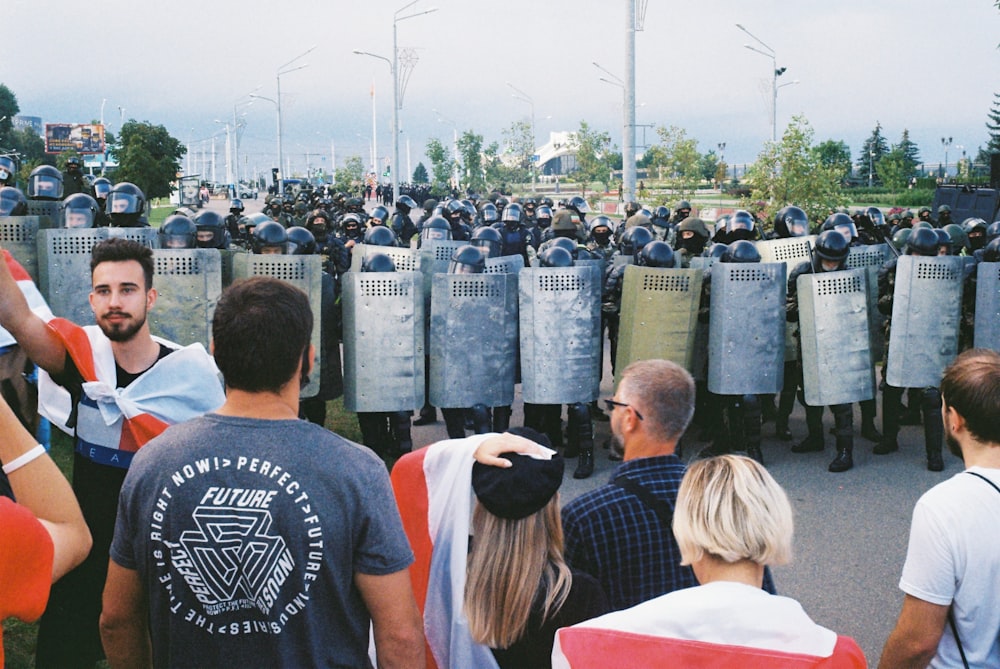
(255,538)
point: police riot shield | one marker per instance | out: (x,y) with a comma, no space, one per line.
(620,259)
(836,356)
(871,257)
(404,259)
(504,265)
(383,341)
(926,309)
(227,257)
(789,250)
(47,211)
(188,283)
(64,266)
(560,333)
(746,349)
(19,235)
(658,316)
(988,306)
(473,340)
(303,272)
(701,262)
(434,258)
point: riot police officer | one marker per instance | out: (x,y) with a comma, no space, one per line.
(692,236)
(178,232)
(8,171)
(72,178)
(12,202)
(516,238)
(269,238)
(45,183)
(632,242)
(681,211)
(78,211)
(600,242)
(236,209)
(212,232)
(401,223)
(126,205)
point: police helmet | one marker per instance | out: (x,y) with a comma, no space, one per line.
(546,202)
(454,208)
(945,242)
(318,220)
(489,240)
(716,251)
(236,206)
(435,227)
(655,254)
(741,251)
(178,232)
(8,168)
(467,259)
(301,242)
(959,240)
(634,239)
(12,202)
(74,163)
(488,213)
(992,231)
(405,204)
(555,256)
(543,216)
(45,183)
(377,262)
(578,203)
(843,224)
(661,215)
(351,222)
(379,216)
(876,216)
(566,243)
(601,222)
(380,236)
(429,204)
(831,246)
(740,220)
(944,209)
(253,220)
(975,232)
(922,242)
(901,237)
(102,187)
(78,211)
(791,221)
(125,205)
(511,214)
(270,237)
(211,230)
(632,208)
(923,224)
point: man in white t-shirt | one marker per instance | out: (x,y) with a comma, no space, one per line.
(952,572)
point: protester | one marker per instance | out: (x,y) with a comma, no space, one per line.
(950,578)
(731,519)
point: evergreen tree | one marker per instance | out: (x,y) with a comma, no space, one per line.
(911,153)
(872,151)
(420,174)
(993,125)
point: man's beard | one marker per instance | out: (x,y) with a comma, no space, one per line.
(121,331)
(617,445)
(953,445)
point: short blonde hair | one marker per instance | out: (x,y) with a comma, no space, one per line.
(732,508)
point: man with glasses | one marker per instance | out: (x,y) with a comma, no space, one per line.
(620,532)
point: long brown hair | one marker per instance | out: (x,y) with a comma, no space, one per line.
(512,563)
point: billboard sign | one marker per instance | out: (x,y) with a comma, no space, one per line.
(79,137)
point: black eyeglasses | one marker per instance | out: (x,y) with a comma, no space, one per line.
(611,404)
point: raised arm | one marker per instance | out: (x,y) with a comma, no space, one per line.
(32,334)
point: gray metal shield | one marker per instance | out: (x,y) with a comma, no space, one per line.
(560,332)
(790,250)
(871,257)
(19,235)
(188,283)
(658,316)
(383,341)
(405,259)
(64,266)
(926,309)
(47,210)
(988,306)
(746,350)
(473,340)
(504,265)
(701,262)
(303,272)
(433,258)
(836,356)
(622,259)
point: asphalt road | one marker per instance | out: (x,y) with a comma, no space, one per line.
(851,528)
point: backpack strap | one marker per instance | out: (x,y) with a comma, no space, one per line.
(658,506)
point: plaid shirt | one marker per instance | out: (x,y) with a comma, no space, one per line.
(612,535)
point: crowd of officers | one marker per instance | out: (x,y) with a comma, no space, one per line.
(319,221)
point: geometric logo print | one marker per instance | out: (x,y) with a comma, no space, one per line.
(235,555)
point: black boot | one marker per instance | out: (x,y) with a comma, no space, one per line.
(501,419)
(428,416)
(781,430)
(814,442)
(868,430)
(454,422)
(585,465)
(843,418)
(401,432)
(583,433)
(891,402)
(752,425)
(933,428)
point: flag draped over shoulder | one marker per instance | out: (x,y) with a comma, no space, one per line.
(433,488)
(35,300)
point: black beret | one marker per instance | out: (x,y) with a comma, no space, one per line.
(520,490)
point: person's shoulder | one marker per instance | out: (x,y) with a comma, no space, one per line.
(594,502)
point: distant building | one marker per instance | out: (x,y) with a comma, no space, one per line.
(558,156)
(33,122)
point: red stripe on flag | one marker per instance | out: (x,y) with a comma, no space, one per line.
(16,270)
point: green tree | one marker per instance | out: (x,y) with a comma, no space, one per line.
(441,162)
(836,154)
(910,152)
(470,147)
(30,150)
(791,172)
(8,110)
(680,163)
(346,179)
(148,157)
(872,151)
(519,147)
(709,166)
(894,169)
(591,149)
(420,174)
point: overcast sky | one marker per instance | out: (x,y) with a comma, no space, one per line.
(928,66)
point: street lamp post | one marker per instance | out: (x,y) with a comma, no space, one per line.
(946,142)
(871,167)
(524,97)
(776,72)
(454,144)
(286,69)
(277,106)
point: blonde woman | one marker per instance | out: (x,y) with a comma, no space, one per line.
(518,588)
(732,518)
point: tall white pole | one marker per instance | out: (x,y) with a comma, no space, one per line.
(628,130)
(373,147)
(395,115)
